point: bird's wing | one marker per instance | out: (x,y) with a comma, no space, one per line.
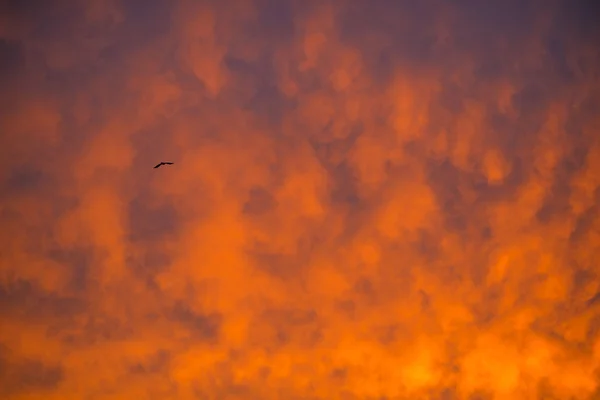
(170,163)
(158,165)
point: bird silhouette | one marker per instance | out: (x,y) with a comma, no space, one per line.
(163,163)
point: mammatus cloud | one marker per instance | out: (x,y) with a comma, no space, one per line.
(369,200)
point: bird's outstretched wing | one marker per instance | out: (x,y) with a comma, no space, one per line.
(163,163)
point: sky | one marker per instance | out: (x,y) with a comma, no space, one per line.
(369,200)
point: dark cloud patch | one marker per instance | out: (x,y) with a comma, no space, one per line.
(345,187)
(11,58)
(428,245)
(268,101)
(339,374)
(447,394)
(387,334)
(408,29)
(581,278)
(98,328)
(556,204)
(446,181)
(292,317)
(531,99)
(481,395)
(366,291)
(577,151)
(78,261)
(245,73)
(24,179)
(558,60)
(347,308)
(580,16)
(383,15)
(490,70)
(44,19)
(587,221)
(254,86)
(491,33)
(281,326)
(281,266)
(153,364)
(333,157)
(151,223)
(26,299)
(152,261)
(516,141)
(259,201)
(147,21)
(365,294)
(204,327)
(510,18)
(450,99)
(275,19)
(22,377)
(54,20)
(411,41)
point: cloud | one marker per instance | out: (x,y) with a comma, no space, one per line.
(368,200)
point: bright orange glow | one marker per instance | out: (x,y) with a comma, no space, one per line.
(369,200)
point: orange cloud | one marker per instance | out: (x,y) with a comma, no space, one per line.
(368,200)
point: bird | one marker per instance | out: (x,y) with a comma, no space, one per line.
(163,163)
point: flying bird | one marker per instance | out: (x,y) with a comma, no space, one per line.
(163,163)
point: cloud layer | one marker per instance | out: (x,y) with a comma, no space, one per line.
(370,200)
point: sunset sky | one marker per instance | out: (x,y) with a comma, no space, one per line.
(378,199)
